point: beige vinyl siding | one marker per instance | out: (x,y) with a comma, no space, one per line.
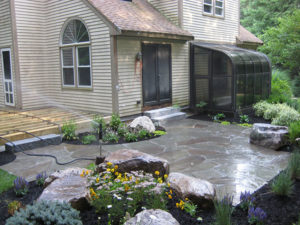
(169,8)
(41,23)
(130,79)
(5,42)
(208,28)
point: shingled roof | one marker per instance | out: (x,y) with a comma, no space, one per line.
(246,36)
(138,17)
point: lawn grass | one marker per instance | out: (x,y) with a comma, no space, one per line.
(6,180)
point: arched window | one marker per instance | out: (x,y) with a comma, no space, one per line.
(75,55)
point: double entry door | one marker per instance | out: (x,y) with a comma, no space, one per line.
(156,74)
(7,77)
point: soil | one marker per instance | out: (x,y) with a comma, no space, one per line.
(6,157)
(279,210)
(9,196)
(230,118)
(121,139)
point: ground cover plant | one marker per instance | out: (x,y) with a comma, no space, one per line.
(113,132)
(6,180)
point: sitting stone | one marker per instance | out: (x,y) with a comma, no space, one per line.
(132,160)
(200,192)
(142,122)
(67,186)
(269,136)
(153,217)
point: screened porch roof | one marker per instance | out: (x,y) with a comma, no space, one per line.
(238,55)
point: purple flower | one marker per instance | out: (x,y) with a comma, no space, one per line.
(40,178)
(21,186)
(246,200)
(227,200)
(256,215)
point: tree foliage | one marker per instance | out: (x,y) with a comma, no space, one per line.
(282,43)
(259,15)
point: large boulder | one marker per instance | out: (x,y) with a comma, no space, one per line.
(200,192)
(269,136)
(67,186)
(142,122)
(132,160)
(153,217)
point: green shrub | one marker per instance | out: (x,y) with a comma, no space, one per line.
(296,86)
(159,133)
(142,134)
(294,103)
(88,139)
(46,213)
(122,130)
(283,184)
(225,123)
(130,137)
(223,210)
(294,165)
(272,111)
(244,119)
(281,91)
(218,117)
(97,120)
(261,107)
(68,129)
(115,122)
(282,75)
(294,131)
(286,116)
(110,137)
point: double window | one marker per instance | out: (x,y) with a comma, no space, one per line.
(75,56)
(213,7)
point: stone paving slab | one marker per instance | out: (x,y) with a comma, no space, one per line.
(210,151)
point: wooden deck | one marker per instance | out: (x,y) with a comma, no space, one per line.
(39,122)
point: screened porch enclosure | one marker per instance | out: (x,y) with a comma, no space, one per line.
(228,78)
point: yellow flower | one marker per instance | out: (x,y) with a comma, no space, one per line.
(87,172)
(171,191)
(156,173)
(130,178)
(160,181)
(186,199)
(116,167)
(169,184)
(116,173)
(166,176)
(112,170)
(97,179)
(177,204)
(108,170)
(126,187)
(182,207)
(170,196)
(82,174)
(137,181)
(109,163)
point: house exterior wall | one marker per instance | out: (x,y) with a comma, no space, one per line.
(169,8)
(209,28)
(39,28)
(130,74)
(6,41)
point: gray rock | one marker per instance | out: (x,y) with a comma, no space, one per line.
(200,192)
(144,122)
(67,186)
(153,217)
(132,160)
(269,136)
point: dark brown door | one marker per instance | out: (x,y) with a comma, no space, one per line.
(156,74)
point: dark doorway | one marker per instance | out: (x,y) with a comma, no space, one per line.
(156,74)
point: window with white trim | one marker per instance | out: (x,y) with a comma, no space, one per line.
(213,7)
(76,56)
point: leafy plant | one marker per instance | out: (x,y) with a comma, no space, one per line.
(115,122)
(283,184)
(21,186)
(218,117)
(261,107)
(40,178)
(122,130)
(296,85)
(110,137)
(142,134)
(281,91)
(245,125)
(159,133)
(13,206)
(244,119)
(91,166)
(201,104)
(286,117)
(68,129)
(294,131)
(256,216)
(247,200)
(130,137)
(294,165)
(46,213)
(225,123)
(190,208)
(223,210)
(88,139)
(97,120)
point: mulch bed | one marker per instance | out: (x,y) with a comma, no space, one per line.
(9,196)
(230,118)
(6,157)
(280,210)
(121,139)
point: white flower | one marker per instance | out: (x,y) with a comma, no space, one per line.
(109,206)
